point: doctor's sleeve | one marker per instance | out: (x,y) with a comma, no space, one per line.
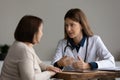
(105,57)
(58,53)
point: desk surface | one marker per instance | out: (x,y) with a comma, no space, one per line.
(71,75)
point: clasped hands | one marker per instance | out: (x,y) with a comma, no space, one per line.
(76,64)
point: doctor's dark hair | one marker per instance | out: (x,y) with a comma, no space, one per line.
(27,27)
(78,16)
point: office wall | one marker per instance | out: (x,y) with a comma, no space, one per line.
(103,17)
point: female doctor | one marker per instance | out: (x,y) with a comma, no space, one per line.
(81,49)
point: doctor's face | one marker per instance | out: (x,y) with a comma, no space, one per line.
(73,28)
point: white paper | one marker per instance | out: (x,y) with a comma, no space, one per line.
(111,69)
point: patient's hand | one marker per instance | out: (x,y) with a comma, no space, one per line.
(54,69)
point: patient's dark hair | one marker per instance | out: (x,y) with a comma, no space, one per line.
(27,27)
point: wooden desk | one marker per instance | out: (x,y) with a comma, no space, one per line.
(87,75)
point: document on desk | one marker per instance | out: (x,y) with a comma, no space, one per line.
(110,69)
(102,69)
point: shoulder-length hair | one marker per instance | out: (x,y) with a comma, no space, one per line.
(26,28)
(78,16)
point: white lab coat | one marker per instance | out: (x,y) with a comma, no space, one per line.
(96,52)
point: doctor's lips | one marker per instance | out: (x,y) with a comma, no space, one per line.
(70,33)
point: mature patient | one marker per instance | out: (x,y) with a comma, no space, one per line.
(21,62)
(81,49)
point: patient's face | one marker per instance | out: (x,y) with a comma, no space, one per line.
(38,35)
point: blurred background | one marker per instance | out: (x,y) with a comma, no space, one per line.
(103,17)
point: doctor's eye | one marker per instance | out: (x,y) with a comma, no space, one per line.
(66,25)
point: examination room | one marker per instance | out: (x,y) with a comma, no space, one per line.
(59,39)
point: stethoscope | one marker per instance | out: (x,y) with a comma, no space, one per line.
(68,45)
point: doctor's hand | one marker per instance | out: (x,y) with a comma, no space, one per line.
(80,64)
(65,61)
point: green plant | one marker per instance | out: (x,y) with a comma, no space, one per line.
(3,51)
(4,48)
